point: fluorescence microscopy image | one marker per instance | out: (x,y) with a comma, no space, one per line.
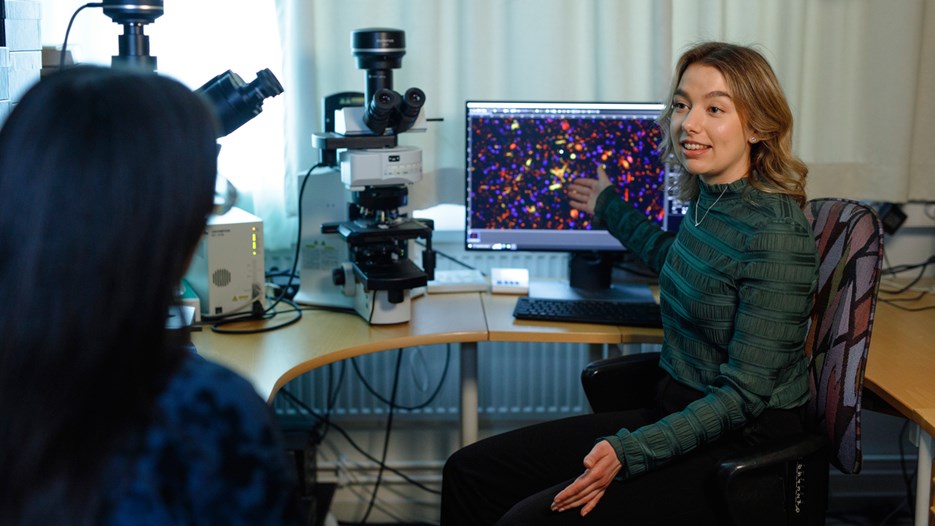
(520,167)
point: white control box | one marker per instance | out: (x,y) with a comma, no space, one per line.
(227,271)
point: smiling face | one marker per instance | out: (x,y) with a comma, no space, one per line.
(713,143)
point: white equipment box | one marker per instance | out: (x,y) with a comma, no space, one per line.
(227,271)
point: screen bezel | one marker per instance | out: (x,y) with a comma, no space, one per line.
(549,240)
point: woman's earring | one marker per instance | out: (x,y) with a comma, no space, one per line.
(753,139)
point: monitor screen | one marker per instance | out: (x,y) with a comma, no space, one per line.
(521,156)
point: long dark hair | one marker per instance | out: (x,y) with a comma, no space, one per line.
(106,180)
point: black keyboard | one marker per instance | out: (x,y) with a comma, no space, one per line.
(588,311)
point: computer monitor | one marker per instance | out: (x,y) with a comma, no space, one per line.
(521,156)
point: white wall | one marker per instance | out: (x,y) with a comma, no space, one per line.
(21,59)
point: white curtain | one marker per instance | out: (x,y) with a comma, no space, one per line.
(193,41)
(858,73)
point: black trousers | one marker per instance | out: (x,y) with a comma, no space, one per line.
(511,478)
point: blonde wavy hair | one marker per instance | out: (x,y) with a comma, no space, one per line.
(761,105)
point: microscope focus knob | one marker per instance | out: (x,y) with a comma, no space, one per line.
(343,277)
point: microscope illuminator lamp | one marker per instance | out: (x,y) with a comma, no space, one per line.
(380,167)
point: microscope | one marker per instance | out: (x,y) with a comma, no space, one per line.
(379,276)
(227,272)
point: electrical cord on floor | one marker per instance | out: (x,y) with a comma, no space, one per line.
(333,389)
(298,403)
(386,437)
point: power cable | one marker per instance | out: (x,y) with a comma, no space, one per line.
(311,412)
(386,436)
(63,52)
(271,312)
(416,407)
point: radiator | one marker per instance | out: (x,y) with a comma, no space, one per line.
(540,264)
(515,380)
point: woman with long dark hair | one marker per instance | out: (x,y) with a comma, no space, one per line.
(106,181)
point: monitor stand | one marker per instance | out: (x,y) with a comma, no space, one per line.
(590,277)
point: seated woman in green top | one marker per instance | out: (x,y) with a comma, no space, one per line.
(736,286)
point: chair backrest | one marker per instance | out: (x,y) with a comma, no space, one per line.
(849,236)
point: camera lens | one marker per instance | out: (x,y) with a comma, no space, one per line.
(378,47)
(133,11)
(380,110)
(379,51)
(413,100)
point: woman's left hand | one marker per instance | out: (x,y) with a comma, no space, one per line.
(601,466)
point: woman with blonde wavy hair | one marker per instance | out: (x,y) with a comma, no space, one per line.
(735,286)
(761,105)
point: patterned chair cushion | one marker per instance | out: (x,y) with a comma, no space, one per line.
(849,236)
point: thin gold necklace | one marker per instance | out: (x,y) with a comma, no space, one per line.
(699,221)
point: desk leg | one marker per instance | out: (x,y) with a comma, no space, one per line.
(923,478)
(469,400)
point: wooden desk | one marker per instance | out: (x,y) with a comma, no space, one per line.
(271,359)
(901,371)
(900,366)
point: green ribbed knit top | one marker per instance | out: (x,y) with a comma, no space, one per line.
(736,294)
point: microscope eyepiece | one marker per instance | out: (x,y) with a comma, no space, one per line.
(235,101)
(381,109)
(412,103)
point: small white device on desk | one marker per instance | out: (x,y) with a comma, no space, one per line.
(509,281)
(227,272)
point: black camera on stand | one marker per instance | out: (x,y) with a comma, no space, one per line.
(362,141)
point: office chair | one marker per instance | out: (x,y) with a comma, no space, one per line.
(787,484)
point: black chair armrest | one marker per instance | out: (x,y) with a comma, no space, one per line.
(622,382)
(793,448)
(784,484)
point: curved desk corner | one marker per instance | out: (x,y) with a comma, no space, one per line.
(271,359)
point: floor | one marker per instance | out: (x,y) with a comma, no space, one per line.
(900,517)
